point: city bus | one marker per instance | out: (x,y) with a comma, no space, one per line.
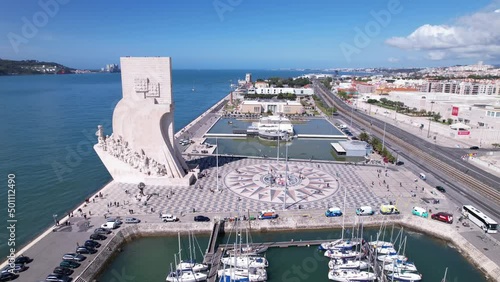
(480,219)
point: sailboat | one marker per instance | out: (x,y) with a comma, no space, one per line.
(351,275)
(184,276)
(191,264)
(251,274)
(406,276)
(400,265)
(338,264)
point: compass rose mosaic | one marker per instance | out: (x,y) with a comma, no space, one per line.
(270,182)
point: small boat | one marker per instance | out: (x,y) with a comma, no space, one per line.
(351,276)
(391,258)
(337,264)
(245,262)
(406,276)
(343,254)
(252,274)
(398,265)
(186,276)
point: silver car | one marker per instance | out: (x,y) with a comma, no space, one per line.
(74,257)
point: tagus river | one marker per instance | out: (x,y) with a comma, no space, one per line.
(150,259)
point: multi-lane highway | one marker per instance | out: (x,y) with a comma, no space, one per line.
(475,185)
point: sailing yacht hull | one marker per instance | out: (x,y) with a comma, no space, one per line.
(253,275)
(351,276)
(180,276)
(245,262)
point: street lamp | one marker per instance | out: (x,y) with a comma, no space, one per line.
(383,137)
(397,105)
(430,119)
(286,172)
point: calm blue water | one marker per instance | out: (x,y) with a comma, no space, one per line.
(47,131)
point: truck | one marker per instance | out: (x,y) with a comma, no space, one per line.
(268,214)
(418,211)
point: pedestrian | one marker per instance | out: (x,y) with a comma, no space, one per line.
(104,216)
(77,245)
(85,216)
(93,200)
(90,213)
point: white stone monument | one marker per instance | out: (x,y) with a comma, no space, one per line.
(142,147)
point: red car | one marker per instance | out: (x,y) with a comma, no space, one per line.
(443,216)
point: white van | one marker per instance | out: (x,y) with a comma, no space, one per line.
(364,210)
(422,176)
(418,211)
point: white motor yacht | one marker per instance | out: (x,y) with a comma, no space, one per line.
(406,276)
(186,276)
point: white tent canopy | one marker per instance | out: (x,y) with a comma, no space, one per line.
(458,126)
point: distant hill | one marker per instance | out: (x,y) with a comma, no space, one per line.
(11,67)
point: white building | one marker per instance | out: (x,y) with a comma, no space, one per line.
(353,148)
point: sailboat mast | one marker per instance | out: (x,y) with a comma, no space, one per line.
(445,272)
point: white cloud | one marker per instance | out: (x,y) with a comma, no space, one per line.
(393,60)
(472,36)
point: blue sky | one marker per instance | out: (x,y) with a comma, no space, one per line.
(252,34)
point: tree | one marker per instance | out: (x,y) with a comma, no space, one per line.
(372,101)
(496,145)
(269,112)
(436,116)
(449,121)
(363,136)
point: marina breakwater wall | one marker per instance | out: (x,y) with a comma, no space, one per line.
(433,228)
(202,116)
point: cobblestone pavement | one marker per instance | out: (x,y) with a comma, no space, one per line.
(364,185)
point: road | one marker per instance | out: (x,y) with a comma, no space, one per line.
(451,156)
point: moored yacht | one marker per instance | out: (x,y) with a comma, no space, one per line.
(351,276)
(390,258)
(245,262)
(192,266)
(338,264)
(186,276)
(338,254)
(252,274)
(406,276)
(340,244)
(398,265)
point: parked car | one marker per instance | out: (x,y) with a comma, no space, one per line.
(168,218)
(92,244)
(110,225)
(441,189)
(62,270)
(443,216)
(101,230)
(474,148)
(99,237)
(7,276)
(74,257)
(331,212)
(23,259)
(16,268)
(115,220)
(58,278)
(85,250)
(129,220)
(400,163)
(201,218)
(69,264)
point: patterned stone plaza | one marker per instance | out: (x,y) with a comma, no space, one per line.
(258,184)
